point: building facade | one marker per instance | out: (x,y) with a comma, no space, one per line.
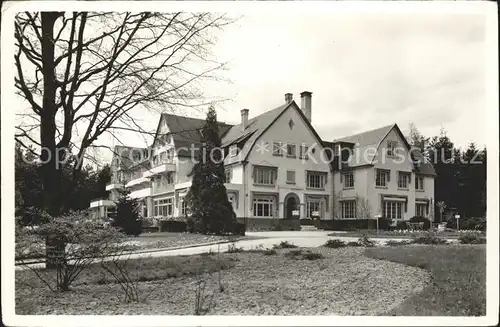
(277,167)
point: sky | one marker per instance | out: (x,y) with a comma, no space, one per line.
(365,70)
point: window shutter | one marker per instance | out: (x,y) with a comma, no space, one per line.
(341,178)
(388,175)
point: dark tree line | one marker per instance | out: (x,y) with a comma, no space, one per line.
(78,189)
(460,184)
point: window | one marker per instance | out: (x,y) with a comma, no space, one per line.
(233,150)
(420,209)
(263,207)
(227,173)
(163,207)
(291,150)
(277,148)
(348,209)
(164,180)
(348,179)
(183,206)
(403,180)
(393,209)
(419,183)
(303,152)
(290,176)
(391,148)
(264,175)
(316,179)
(144,209)
(383,176)
(314,208)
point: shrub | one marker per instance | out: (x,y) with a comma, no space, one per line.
(312,256)
(468,223)
(471,238)
(429,238)
(419,219)
(239,229)
(231,248)
(335,243)
(397,243)
(270,252)
(352,243)
(83,240)
(127,215)
(284,245)
(366,241)
(293,254)
(173,226)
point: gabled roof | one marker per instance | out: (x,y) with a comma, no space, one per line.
(186,131)
(123,152)
(255,128)
(373,139)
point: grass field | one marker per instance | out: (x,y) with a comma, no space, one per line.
(458,282)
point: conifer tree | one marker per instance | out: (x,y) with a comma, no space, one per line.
(208,204)
(127,214)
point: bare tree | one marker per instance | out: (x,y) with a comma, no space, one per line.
(363,208)
(84,73)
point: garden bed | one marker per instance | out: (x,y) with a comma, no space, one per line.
(337,282)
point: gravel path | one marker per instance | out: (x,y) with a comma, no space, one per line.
(343,283)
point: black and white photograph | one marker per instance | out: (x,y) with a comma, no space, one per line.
(244,163)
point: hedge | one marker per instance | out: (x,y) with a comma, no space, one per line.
(355,224)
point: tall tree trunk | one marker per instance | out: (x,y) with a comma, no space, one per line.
(50,157)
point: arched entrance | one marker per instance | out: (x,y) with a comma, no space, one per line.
(292,203)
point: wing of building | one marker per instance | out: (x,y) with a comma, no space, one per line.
(278,167)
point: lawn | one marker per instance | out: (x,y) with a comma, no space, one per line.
(290,281)
(458,286)
(392,234)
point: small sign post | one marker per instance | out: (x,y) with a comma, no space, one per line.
(377,217)
(457,217)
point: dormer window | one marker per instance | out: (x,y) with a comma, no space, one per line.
(233,150)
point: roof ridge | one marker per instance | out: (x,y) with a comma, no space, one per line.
(193,118)
(365,132)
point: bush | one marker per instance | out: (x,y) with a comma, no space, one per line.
(312,256)
(468,223)
(127,215)
(239,229)
(293,254)
(173,226)
(284,245)
(82,240)
(231,248)
(335,244)
(397,243)
(357,224)
(429,238)
(419,219)
(366,241)
(471,238)
(352,243)
(270,252)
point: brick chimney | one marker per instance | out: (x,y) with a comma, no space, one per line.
(244,118)
(288,97)
(305,99)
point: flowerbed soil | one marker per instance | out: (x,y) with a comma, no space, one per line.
(343,282)
(458,273)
